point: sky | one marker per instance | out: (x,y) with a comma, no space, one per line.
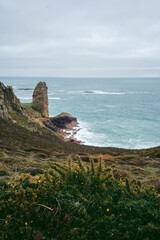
(80,38)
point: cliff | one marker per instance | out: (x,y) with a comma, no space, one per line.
(9,103)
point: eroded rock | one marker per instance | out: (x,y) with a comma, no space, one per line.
(40,99)
(61,121)
(9,103)
(64,120)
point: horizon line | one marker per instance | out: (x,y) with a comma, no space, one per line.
(78,77)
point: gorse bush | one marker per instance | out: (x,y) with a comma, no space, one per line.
(78,202)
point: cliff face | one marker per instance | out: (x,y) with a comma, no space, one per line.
(40,99)
(9,103)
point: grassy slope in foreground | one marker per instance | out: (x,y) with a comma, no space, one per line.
(28,147)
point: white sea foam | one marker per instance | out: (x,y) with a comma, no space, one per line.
(55,98)
(51,93)
(97,92)
(87,137)
(107,93)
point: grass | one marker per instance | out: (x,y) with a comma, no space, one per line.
(32,109)
(28,145)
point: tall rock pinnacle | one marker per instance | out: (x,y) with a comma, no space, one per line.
(40,99)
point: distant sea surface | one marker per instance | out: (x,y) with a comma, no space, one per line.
(114,112)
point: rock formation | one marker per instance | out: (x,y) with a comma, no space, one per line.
(40,99)
(64,120)
(11,109)
(61,121)
(9,103)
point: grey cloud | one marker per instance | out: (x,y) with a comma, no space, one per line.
(80,38)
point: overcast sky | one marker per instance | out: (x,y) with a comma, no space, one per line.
(80,38)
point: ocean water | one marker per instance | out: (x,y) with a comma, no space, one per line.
(115,112)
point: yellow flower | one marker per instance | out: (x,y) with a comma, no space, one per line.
(81,182)
(39,181)
(9,200)
(107,209)
(26,223)
(130,209)
(35,195)
(112,234)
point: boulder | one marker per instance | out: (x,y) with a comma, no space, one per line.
(40,99)
(9,103)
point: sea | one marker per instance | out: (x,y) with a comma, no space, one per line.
(111,112)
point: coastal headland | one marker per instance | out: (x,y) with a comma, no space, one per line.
(27,132)
(71,189)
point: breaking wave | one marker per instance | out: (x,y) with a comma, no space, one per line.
(96,92)
(55,98)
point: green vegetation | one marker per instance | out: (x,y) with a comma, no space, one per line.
(42,198)
(78,201)
(33,109)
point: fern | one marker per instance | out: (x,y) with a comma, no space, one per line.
(58,170)
(100,167)
(81,165)
(92,169)
(127,186)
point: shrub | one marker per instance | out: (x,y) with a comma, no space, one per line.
(77,202)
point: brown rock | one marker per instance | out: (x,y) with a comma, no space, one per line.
(40,99)
(9,103)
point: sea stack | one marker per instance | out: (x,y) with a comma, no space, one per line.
(40,99)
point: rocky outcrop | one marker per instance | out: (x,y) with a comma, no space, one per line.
(64,120)
(61,121)
(63,124)
(11,108)
(9,103)
(40,99)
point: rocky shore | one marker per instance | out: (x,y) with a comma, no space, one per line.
(69,134)
(64,124)
(37,111)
